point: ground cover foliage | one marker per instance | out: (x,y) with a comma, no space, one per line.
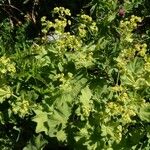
(75,79)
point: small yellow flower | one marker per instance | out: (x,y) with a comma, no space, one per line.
(86,18)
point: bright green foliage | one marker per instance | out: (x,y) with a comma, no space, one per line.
(38,143)
(54,121)
(144,113)
(87,87)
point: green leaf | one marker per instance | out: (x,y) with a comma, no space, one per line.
(60,67)
(57,122)
(53,122)
(111,17)
(37,143)
(86,95)
(40,118)
(144,113)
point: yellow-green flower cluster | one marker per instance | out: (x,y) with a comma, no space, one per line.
(123,97)
(118,133)
(141,49)
(68,43)
(86,111)
(21,108)
(82,59)
(61,11)
(65,82)
(58,24)
(129,54)
(127,26)
(125,56)
(86,25)
(82,30)
(5,93)
(123,108)
(46,25)
(117,109)
(147,63)
(6,66)
(147,67)
(131,24)
(93,28)
(86,19)
(121,64)
(117,88)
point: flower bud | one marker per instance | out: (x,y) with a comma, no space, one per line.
(121,12)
